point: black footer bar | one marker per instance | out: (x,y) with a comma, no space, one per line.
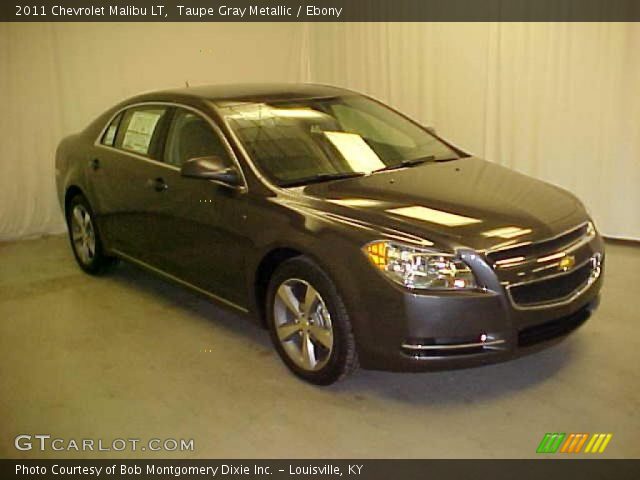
(544,468)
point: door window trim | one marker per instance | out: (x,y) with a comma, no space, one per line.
(225,141)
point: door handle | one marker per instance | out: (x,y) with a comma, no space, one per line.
(158,184)
(94,164)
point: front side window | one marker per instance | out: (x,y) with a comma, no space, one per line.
(295,142)
(140,130)
(191,136)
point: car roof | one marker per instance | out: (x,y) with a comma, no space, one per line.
(248,92)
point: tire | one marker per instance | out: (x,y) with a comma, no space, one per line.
(85,238)
(327,358)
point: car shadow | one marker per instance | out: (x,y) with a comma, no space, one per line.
(200,306)
(464,386)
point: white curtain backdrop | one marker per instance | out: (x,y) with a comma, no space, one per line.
(557,101)
(56,78)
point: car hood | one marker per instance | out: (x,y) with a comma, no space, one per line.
(468,202)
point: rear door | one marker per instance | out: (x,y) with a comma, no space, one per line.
(127,178)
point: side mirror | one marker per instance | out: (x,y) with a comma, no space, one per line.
(210,168)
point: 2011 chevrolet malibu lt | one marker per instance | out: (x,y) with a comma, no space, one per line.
(354,234)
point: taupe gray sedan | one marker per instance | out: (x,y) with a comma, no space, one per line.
(355,235)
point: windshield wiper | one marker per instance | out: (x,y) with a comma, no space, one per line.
(321,177)
(407,163)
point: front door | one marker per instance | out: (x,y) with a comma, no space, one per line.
(198,227)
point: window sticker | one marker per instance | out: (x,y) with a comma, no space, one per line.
(140,130)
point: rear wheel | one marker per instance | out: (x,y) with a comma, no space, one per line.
(309,324)
(84,237)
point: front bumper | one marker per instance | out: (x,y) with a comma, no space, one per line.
(399,330)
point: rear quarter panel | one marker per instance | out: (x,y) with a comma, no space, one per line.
(72,157)
(71,163)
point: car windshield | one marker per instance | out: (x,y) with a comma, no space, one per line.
(320,139)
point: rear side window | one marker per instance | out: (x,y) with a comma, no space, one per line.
(109,136)
(141,130)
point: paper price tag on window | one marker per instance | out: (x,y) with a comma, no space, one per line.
(356,151)
(140,130)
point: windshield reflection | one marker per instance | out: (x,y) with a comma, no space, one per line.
(328,138)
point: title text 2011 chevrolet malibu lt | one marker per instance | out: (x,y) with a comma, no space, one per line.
(355,235)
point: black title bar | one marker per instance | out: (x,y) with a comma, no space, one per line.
(320,10)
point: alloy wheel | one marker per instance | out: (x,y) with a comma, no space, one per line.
(303,324)
(83,234)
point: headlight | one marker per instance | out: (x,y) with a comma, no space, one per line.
(418,268)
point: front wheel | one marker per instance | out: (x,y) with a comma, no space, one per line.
(84,237)
(309,324)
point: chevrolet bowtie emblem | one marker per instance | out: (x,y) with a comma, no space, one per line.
(566,263)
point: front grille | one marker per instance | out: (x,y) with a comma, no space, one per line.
(540,249)
(551,289)
(542,274)
(553,329)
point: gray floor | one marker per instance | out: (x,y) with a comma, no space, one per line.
(127,356)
